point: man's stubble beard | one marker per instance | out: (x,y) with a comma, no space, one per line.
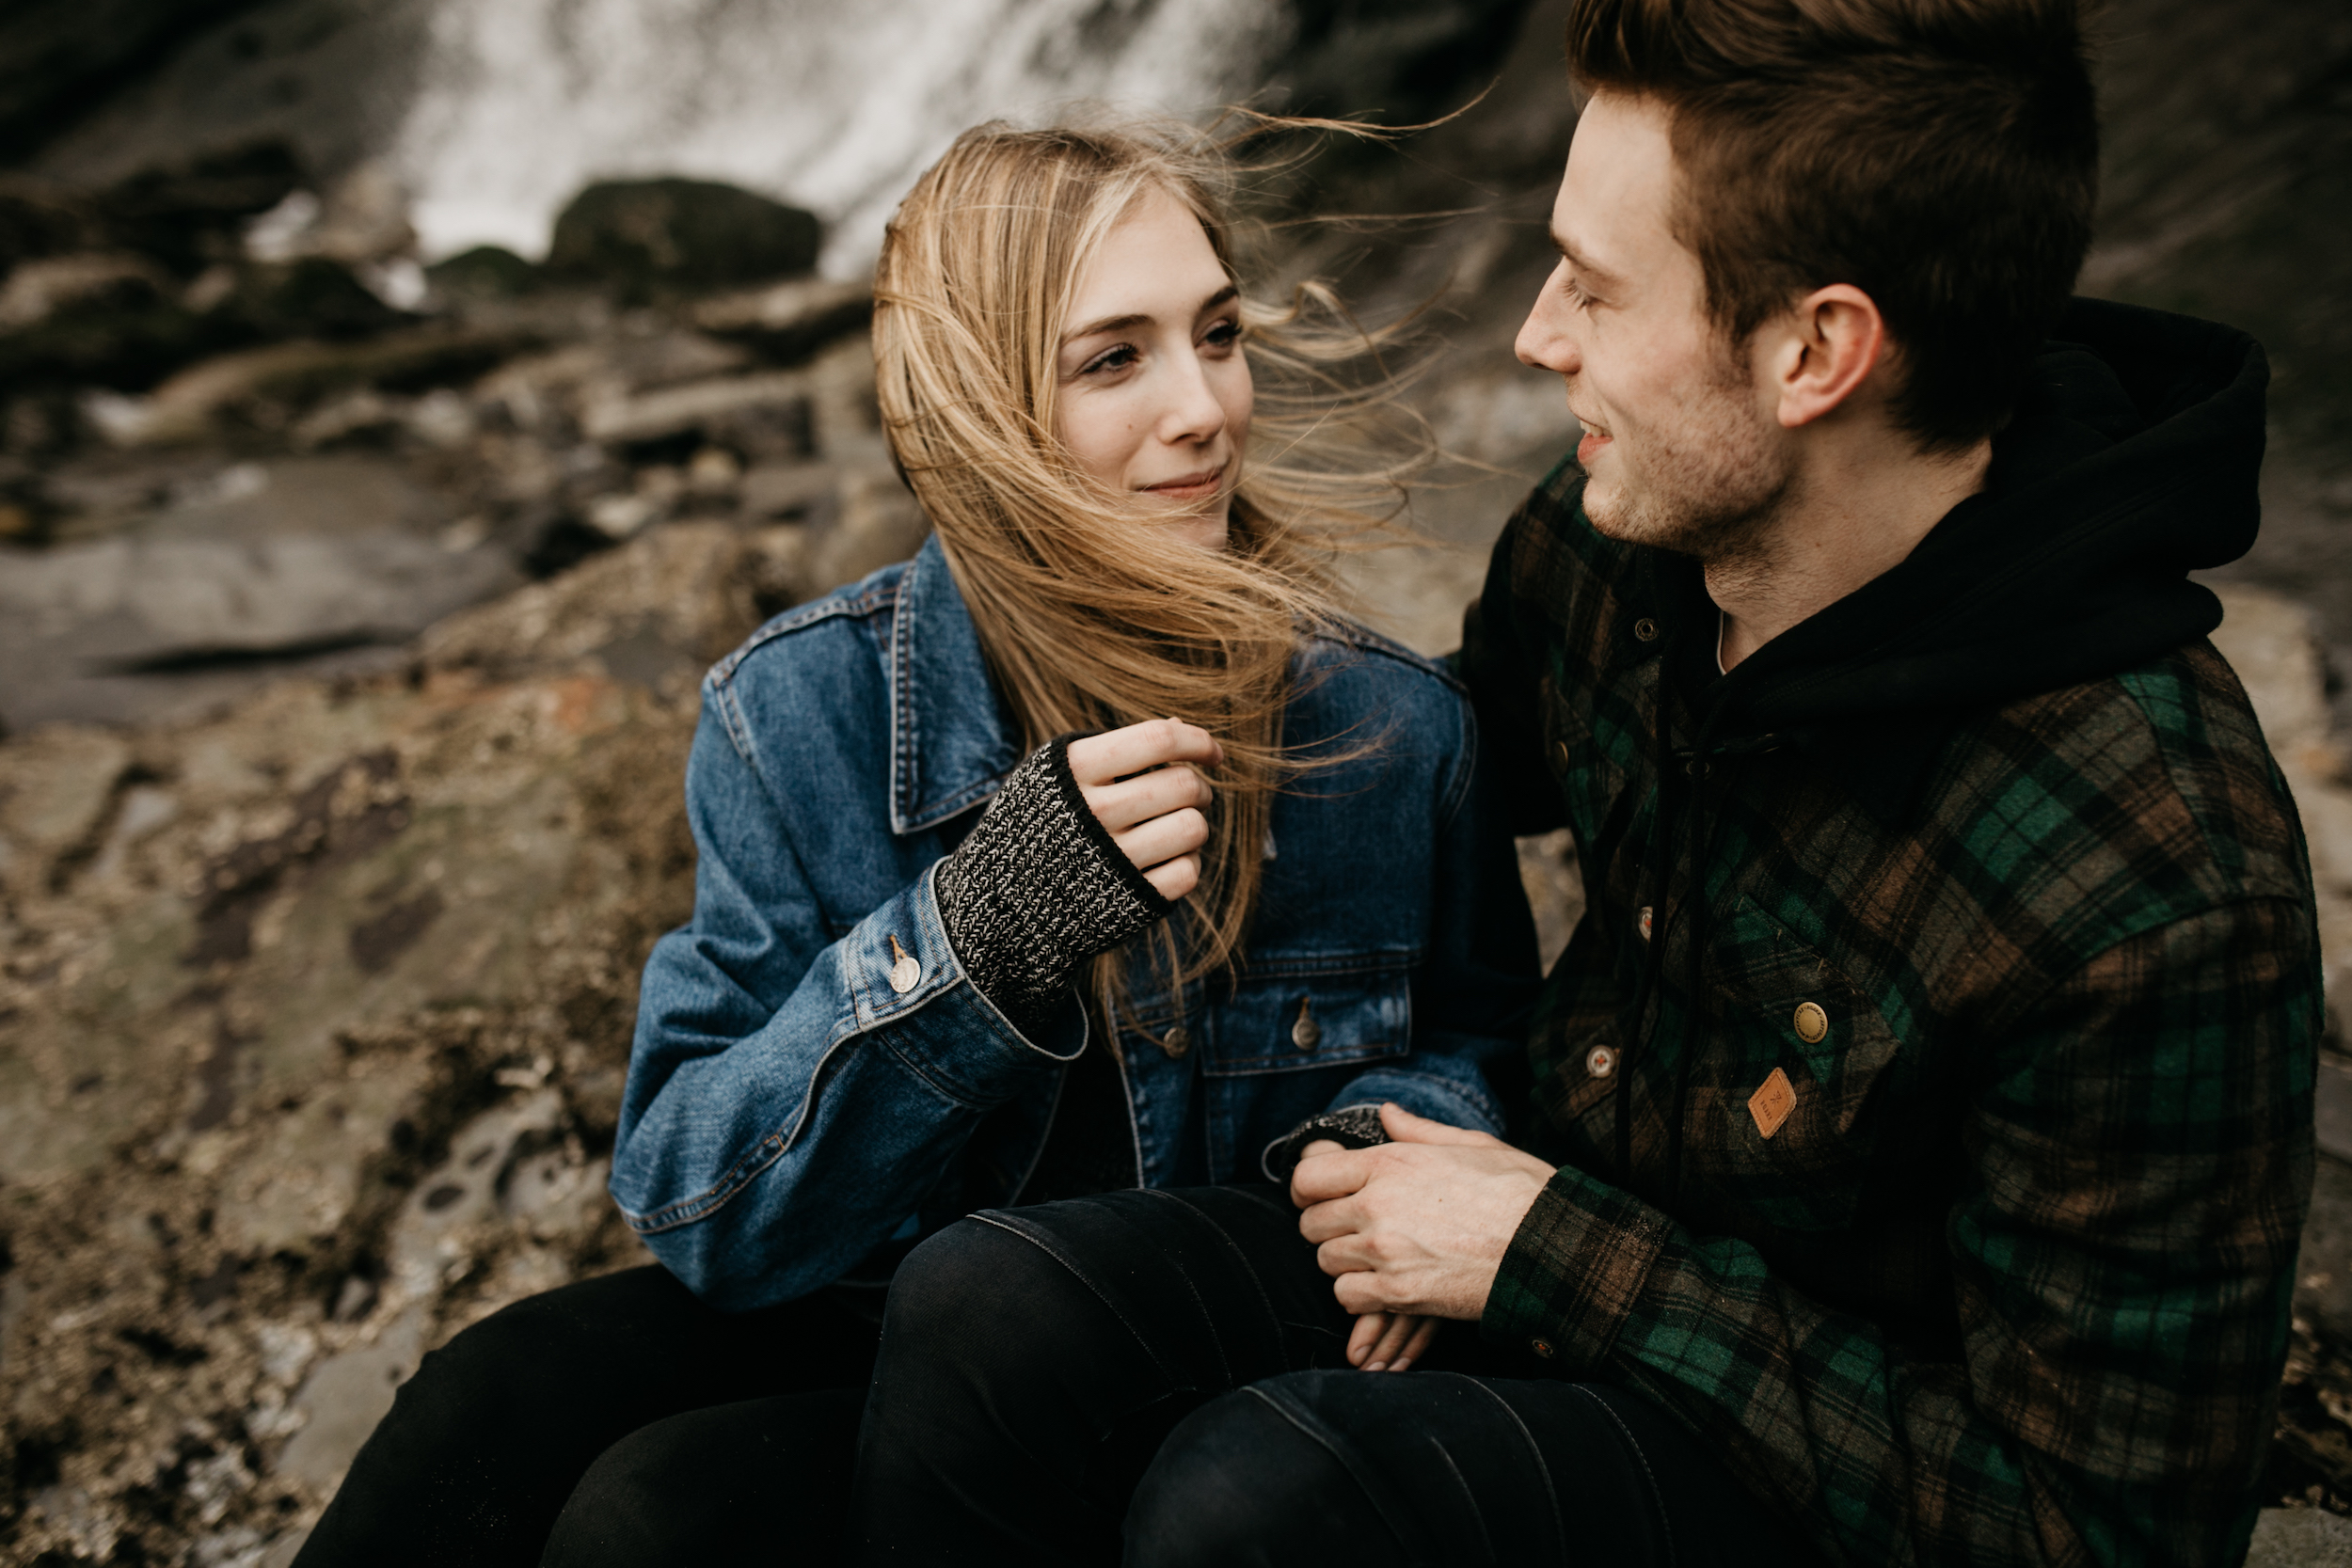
(1712,488)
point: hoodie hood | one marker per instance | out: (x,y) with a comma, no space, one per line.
(2131,461)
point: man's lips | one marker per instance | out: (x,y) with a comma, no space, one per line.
(1594,440)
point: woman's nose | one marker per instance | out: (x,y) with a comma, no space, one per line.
(1193,413)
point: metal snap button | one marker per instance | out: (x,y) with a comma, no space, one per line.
(1811,1022)
(1176,1041)
(1541,1347)
(1306,1034)
(905,973)
(1641,922)
(1600,1061)
(1645,631)
(1560,749)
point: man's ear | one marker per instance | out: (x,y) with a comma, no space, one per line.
(1823,349)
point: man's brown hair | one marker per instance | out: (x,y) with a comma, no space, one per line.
(1940,156)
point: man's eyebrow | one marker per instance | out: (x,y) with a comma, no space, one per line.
(1583,262)
(1121,324)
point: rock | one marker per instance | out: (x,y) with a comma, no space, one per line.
(103,321)
(343,1401)
(1556,890)
(655,612)
(761,417)
(2271,643)
(191,214)
(2300,1538)
(35,289)
(308,297)
(301,559)
(40,219)
(789,322)
(262,386)
(313,1015)
(485,271)
(642,235)
(2323,1294)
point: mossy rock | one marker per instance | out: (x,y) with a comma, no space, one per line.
(652,236)
(485,271)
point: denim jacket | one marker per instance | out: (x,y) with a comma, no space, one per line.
(813,1079)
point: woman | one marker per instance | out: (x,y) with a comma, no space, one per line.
(977,923)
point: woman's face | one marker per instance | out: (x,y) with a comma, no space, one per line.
(1154,395)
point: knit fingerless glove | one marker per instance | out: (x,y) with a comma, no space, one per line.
(1036,888)
(1350,1126)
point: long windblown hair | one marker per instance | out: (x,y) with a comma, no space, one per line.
(1092,612)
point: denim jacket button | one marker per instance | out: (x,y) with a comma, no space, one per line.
(905,973)
(1306,1034)
(1176,1041)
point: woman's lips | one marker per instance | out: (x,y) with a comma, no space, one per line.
(1185,487)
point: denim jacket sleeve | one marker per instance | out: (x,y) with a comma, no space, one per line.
(792,1098)
(1479,971)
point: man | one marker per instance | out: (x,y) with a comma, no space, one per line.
(1922,1108)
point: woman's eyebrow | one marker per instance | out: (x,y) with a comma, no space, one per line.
(1137,318)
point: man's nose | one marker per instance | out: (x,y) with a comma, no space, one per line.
(1544,339)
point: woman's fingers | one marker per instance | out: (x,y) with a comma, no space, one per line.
(1173,878)
(1115,754)
(1120,806)
(1418,1346)
(1395,1332)
(1163,838)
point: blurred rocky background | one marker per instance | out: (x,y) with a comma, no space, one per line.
(400,406)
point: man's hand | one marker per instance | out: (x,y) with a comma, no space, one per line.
(1418,1226)
(1140,782)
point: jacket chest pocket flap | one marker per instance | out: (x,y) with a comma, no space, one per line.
(1294,1022)
(1785,1008)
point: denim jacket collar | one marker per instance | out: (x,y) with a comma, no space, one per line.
(949,744)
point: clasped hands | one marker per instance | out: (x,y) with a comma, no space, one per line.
(1413,1231)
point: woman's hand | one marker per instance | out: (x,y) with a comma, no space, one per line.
(1140,784)
(1390,1342)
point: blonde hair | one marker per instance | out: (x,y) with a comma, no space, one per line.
(1092,613)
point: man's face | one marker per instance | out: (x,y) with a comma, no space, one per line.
(1681,445)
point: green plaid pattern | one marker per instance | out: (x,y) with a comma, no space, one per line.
(2011,1283)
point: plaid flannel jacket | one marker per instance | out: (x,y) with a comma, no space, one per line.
(2010,1283)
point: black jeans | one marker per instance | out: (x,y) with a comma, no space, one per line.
(617,1420)
(1162,1372)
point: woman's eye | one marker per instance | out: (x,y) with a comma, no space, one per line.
(1117,359)
(1222,334)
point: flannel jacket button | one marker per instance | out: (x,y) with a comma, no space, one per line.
(1811,1022)
(1306,1034)
(1541,1347)
(1645,631)
(1560,749)
(1641,922)
(1600,1061)
(1176,1041)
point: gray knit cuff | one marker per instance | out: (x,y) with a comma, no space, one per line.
(1036,888)
(1350,1126)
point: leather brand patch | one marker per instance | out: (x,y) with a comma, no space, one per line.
(1770,1104)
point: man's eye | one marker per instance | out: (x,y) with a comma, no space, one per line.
(1117,359)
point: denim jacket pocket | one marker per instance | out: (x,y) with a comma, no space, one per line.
(1285,1022)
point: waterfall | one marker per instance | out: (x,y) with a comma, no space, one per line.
(830,105)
